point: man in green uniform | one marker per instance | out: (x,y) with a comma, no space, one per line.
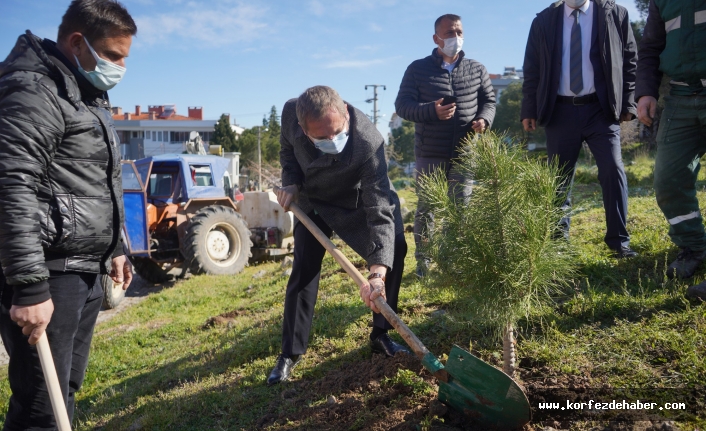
(674,43)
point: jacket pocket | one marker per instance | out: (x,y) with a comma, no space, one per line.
(84,225)
(62,217)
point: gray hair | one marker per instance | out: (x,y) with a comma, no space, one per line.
(315,102)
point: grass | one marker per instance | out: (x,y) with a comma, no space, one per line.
(157,366)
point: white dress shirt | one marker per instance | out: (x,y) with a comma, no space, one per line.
(586,22)
(448,66)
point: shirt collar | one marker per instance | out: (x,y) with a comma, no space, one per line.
(568,11)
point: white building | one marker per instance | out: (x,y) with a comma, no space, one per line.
(161,130)
(501,82)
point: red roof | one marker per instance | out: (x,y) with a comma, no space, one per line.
(146,116)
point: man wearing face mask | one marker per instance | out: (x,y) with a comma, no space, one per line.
(60,199)
(440,125)
(333,166)
(579,72)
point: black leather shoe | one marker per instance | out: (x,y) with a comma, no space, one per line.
(283,369)
(698,292)
(687,263)
(624,252)
(384,344)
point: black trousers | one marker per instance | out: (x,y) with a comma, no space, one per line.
(303,286)
(569,127)
(77,299)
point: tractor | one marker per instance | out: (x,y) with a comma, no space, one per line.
(183,212)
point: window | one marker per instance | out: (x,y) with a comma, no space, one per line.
(134,134)
(201,175)
(130,181)
(161,184)
(159,136)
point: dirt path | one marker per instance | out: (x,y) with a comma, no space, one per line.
(138,291)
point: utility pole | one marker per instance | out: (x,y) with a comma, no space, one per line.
(375,100)
(259,159)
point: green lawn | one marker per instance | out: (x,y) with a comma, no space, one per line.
(159,366)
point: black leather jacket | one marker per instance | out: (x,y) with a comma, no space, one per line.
(60,178)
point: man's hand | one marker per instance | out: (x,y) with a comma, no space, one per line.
(479,125)
(374,288)
(530,124)
(444,112)
(121,271)
(33,319)
(646,110)
(287,195)
(626,117)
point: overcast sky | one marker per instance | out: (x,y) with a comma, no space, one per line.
(243,57)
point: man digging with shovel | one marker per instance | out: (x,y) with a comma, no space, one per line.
(333,166)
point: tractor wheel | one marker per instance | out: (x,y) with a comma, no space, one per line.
(149,270)
(113,294)
(217,241)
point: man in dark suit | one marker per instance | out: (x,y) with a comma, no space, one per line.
(333,166)
(579,84)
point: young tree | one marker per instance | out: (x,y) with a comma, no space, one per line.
(224,135)
(498,249)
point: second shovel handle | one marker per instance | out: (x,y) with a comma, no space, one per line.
(419,349)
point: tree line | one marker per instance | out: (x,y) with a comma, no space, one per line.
(246,143)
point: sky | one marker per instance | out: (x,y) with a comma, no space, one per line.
(243,57)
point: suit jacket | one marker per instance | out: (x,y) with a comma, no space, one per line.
(618,61)
(351,190)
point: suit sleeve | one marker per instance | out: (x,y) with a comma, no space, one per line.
(291,170)
(530,68)
(375,188)
(629,67)
(654,39)
(30,124)
(407,104)
(486,98)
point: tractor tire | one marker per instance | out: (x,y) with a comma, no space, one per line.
(149,270)
(217,241)
(113,294)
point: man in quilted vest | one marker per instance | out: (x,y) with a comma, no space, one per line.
(442,124)
(61,207)
(674,44)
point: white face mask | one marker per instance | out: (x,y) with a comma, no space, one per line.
(106,75)
(332,146)
(452,46)
(575,4)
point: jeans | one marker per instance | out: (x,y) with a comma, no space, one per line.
(423,218)
(77,299)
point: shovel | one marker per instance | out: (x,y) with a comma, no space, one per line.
(57,400)
(483,393)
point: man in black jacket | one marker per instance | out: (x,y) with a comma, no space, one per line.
(60,199)
(579,83)
(440,126)
(333,166)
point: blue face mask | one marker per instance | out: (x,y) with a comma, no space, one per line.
(106,75)
(332,146)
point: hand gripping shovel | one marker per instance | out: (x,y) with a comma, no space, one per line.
(57,400)
(477,389)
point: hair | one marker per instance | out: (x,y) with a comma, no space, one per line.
(315,102)
(449,16)
(97,19)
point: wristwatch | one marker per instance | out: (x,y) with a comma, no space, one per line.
(376,275)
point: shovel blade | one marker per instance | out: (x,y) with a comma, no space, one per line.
(483,393)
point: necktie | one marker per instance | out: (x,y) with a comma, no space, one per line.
(576,71)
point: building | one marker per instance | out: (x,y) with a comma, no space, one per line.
(161,130)
(501,82)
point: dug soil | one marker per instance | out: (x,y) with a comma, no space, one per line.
(362,396)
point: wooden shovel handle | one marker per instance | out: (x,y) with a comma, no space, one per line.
(53,387)
(419,349)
